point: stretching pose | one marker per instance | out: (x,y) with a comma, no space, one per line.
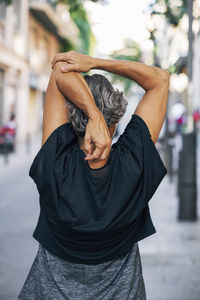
(94,194)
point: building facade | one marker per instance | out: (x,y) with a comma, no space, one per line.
(14,64)
(31,33)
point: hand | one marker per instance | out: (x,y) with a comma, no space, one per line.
(97,139)
(75,61)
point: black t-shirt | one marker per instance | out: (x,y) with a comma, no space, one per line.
(92,216)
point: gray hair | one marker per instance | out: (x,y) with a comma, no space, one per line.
(110,102)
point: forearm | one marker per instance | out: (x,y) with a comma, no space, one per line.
(148,77)
(73,87)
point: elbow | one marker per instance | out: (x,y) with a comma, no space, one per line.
(160,78)
(164,76)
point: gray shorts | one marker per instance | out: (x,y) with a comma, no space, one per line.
(53,278)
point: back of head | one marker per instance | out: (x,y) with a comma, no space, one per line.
(110,102)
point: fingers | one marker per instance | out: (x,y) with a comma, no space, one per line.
(99,154)
(105,153)
(96,155)
(59,57)
(69,68)
(88,145)
(65,67)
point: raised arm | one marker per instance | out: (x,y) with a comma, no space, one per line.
(74,87)
(155,82)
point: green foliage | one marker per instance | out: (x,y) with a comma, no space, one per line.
(173,10)
(131,52)
(7,2)
(67,45)
(74,4)
(79,16)
(172,69)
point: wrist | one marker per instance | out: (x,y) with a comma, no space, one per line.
(95,63)
(94,114)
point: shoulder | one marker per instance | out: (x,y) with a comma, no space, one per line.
(134,136)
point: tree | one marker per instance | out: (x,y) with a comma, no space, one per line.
(187,177)
(132,52)
(173,11)
(79,16)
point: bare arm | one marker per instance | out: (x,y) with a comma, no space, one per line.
(74,87)
(148,77)
(155,82)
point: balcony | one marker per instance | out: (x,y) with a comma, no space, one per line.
(55,18)
(48,2)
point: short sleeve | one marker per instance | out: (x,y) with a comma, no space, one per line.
(41,169)
(136,132)
(136,141)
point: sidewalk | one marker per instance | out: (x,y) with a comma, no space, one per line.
(170,257)
(20,157)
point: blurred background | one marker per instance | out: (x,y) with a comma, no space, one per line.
(162,33)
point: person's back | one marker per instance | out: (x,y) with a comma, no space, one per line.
(93,214)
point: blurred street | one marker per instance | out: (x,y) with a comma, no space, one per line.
(162,34)
(170,258)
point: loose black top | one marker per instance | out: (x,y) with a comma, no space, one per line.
(92,216)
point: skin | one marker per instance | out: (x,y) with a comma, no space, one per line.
(67,81)
(99,164)
(111,130)
(155,81)
(73,86)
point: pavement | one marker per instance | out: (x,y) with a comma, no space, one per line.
(170,257)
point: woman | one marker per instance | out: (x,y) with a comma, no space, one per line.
(93,195)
